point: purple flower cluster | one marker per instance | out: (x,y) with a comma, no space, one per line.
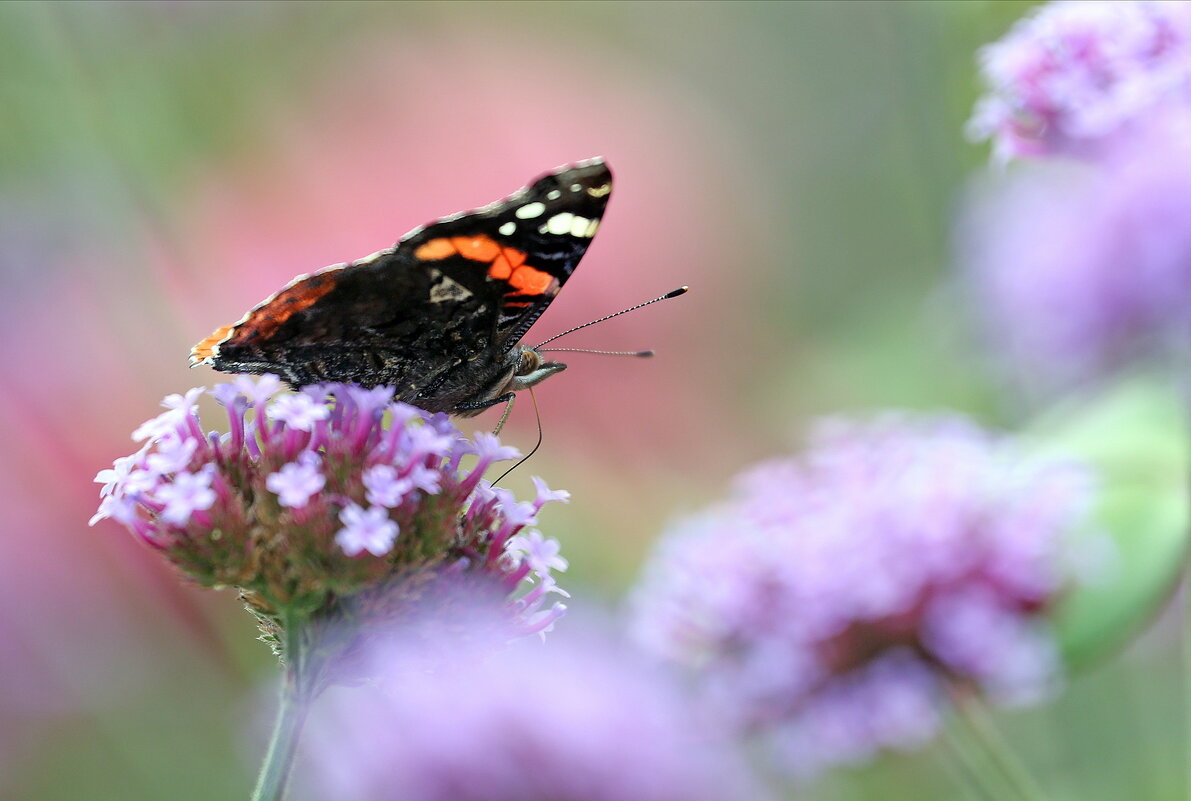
(1082,269)
(315,497)
(565,721)
(1073,75)
(831,602)
(1083,266)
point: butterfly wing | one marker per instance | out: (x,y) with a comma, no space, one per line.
(527,244)
(453,297)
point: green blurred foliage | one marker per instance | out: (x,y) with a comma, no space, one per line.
(1134,435)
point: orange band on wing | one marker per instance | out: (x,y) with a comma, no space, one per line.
(206,348)
(435,249)
(530,281)
(516,258)
(504,263)
(263,321)
(478,248)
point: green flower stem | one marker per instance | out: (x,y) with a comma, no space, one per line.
(296,695)
(1183,371)
(974,773)
(985,753)
(1187,665)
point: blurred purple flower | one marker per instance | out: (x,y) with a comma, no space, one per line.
(541,723)
(1071,75)
(827,603)
(301,503)
(1079,269)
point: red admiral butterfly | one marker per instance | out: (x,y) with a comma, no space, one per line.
(440,315)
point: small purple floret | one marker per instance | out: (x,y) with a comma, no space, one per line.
(298,411)
(257,391)
(295,482)
(542,553)
(385,487)
(545,495)
(186,494)
(424,478)
(172,455)
(489,449)
(366,530)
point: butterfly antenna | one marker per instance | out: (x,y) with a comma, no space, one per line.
(640,354)
(680,291)
(537,416)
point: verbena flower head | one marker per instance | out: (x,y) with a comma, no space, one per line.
(1071,75)
(1080,269)
(332,500)
(828,602)
(563,720)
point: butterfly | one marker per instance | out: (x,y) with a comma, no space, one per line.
(440,315)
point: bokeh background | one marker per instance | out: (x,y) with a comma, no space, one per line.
(164,166)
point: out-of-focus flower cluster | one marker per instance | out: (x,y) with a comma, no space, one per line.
(1070,76)
(1084,266)
(836,598)
(1082,269)
(571,720)
(329,496)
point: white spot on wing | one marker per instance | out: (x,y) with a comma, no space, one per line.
(560,223)
(508,229)
(530,210)
(553,194)
(579,226)
(591,228)
(446,289)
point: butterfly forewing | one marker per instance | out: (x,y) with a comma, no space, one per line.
(437,315)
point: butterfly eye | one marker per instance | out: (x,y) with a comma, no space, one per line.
(531,360)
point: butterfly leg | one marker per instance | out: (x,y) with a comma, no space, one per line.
(504,416)
(475,407)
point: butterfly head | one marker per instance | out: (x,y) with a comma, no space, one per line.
(524,367)
(532,368)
